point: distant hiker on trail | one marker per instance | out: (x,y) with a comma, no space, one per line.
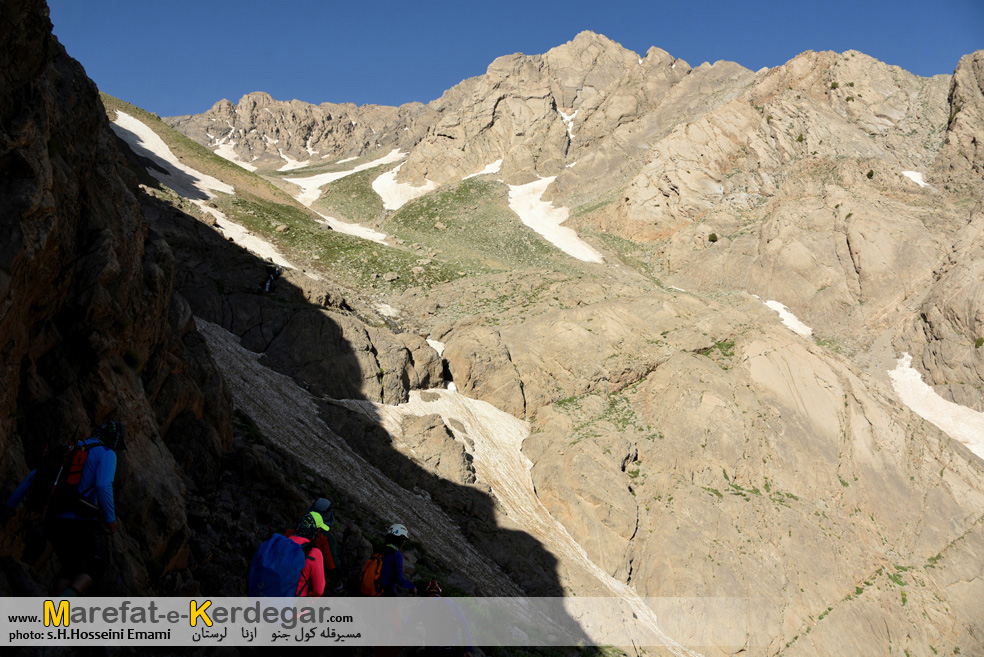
(326,542)
(383,573)
(72,491)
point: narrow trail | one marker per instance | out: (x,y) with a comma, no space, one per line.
(495,439)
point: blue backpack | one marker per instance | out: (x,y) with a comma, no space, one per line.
(277,567)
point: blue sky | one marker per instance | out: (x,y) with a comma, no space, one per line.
(180,57)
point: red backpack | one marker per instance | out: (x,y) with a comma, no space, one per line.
(56,481)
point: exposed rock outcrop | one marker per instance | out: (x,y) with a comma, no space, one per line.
(263,132)
(91,329)
(962,149)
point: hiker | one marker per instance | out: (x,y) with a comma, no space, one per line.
(77,505)
(454,617)
(383,573)
(312,581)
(326,542)
(290,566)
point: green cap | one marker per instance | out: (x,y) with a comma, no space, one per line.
(319,521)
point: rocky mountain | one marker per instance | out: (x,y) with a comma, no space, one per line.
(614,325)
(103,269)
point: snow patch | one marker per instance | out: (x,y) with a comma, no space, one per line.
(789,319)
(241,236)
(348,159)
(437,346)
(395,195)
(311,185)
(571,165)
(546,219)
(356,230)
(307,147)
(226,149)
(291,162)
(916,177)
(387,310)
(183,179)
(959,422)
(495,167)
(568,121)
(495,440)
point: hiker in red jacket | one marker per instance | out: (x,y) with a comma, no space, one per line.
(312,580)
(325,541)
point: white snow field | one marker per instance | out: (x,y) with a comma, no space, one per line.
(959,422)
(495,167)
(226,149)
(916,177)
(495,439)
(395,195)
(291,162)
(193,185)
(311,192)
(311,185)
(356,230)
(241,236)
(789,319)
(182,179)
(546,219)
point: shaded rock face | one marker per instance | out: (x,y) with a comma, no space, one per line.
(301,327)
(90,328)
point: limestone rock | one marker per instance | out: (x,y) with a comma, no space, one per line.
(264,132)
(962,150)
(435,446)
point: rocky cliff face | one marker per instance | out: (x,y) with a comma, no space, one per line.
(687,442)
(91,328)
(263,132)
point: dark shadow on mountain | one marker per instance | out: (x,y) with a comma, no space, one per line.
(178,180)
(303,331)
(105,281)
(226,285)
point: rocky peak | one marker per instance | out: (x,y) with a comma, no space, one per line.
(963,150)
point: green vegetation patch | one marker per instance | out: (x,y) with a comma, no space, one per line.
(349,258)
(472,220)
(352,198)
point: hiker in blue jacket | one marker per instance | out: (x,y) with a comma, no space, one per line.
(392,570)
(78,531)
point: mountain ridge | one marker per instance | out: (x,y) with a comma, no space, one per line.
(689,441)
